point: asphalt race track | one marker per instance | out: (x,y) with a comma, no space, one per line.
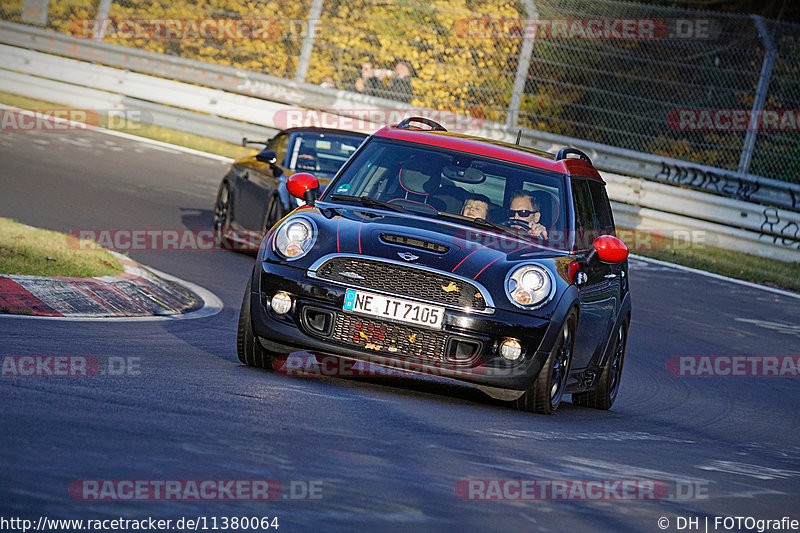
(381,454)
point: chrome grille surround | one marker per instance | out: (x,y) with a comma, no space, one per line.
(421,283)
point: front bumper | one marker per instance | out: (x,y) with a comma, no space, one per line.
(466,348)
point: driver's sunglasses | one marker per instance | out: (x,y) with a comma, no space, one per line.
(521,212)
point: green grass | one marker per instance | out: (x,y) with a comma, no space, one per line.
(37,252)
(181,138)
(720,261)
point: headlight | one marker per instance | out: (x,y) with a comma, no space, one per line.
(295,238)
(529,286)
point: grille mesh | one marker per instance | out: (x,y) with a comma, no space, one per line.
(389,338)
(403,280)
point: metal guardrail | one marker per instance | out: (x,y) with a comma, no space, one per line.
(145,112)
(640,203)
(698,218)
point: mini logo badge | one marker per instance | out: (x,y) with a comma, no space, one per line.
(408,256)
(351,275)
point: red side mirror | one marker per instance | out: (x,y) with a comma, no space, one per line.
(610,249)
(302,185)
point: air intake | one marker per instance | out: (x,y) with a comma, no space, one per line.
(410,242)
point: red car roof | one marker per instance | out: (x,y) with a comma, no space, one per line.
(314,129)
(491,148)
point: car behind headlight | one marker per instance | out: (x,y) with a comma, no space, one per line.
(529,286)
(295,238)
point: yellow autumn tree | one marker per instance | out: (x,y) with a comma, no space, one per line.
(454,69)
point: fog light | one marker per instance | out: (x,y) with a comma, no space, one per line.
(511,349)
(281,303)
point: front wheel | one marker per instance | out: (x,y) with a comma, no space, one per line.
(222,215)
(604,394)
(545,394)
(248,347)
(275,212)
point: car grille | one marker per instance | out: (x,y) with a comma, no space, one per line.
(403,280)
(389,338)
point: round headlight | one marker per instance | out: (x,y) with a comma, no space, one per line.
(529,286)
(295,238)
(297,232)
(532,279)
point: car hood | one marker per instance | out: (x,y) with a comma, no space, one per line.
(439,243)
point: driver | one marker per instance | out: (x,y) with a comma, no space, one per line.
(525,209)
(306,160)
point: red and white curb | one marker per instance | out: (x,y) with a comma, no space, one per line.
(138,293)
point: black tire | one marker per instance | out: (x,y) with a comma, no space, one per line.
(546,393)
(248,347)
(222,215)
(605,393)
(275,212)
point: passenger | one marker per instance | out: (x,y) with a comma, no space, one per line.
(525,208)
(476,206)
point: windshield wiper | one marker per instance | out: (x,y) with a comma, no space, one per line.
(366,201)
(482,222)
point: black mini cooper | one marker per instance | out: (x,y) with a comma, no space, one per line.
(447,254)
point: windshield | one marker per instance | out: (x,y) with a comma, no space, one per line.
(322,154)
(427,180)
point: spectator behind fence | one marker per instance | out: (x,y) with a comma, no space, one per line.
(400,86)
(367,83)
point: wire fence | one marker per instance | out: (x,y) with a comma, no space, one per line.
(669,81)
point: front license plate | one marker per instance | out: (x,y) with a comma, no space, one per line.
(380,306)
